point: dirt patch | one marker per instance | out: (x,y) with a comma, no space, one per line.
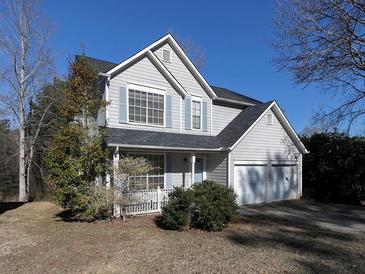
(33,239)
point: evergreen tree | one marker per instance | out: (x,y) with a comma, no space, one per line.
(76,156)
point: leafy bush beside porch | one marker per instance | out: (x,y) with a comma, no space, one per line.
(207,206)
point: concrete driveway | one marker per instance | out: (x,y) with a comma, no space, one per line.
(344,218)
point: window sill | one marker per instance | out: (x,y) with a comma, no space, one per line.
(146,125)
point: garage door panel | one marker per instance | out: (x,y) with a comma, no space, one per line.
(283,182)
(250,184)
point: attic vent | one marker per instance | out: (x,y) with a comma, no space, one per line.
(269,119)
(166,55)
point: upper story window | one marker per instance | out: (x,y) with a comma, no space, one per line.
(146,107)
(269,119)
(196,114)
(166,55)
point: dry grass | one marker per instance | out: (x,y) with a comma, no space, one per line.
(33,239)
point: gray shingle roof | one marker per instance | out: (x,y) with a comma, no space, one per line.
(100,65)
(228,136)
(240,124)
(161,139)
(232,95)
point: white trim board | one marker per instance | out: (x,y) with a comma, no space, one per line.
(165,148)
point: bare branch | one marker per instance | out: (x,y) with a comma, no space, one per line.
(323,42)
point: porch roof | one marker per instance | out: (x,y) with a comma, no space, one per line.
(163,140)
(178,141)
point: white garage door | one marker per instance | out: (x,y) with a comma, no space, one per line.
(283,182)
(250,183)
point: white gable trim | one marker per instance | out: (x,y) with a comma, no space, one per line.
(191,67)
(287,126)
(168,38)
(137,55)
(152,57)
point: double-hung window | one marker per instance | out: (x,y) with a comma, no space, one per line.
(146,106)
(152,179)
(196,114)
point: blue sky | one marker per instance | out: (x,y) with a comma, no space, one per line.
(235,36)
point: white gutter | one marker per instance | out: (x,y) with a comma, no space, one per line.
(164,148)
(234,101)
(104,74)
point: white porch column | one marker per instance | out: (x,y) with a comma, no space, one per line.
(115,165)
(192,161)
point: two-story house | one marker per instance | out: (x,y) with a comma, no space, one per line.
(162,108)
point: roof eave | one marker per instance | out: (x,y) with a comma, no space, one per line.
(234,102)
(164,147)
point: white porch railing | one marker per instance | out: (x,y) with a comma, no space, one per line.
(143,201)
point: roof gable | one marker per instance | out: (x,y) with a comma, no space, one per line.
(181,71)
(111,69)
(244,122)
(178,50)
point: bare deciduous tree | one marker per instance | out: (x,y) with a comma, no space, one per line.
(25,68)
(323,42)
(194,51)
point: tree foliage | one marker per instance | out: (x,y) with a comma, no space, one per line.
(8,162)
(177,214)
(77,157)
(214,207)
(323,42)
(44,111)
(207,206)
(84,99)
(132,166)
(334,171)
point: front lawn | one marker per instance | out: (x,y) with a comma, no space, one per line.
(35,239)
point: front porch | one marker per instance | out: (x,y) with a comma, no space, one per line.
(173,169)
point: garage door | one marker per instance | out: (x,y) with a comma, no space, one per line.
(283,182)
(250,183)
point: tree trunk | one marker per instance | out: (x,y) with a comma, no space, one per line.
(22,182)
(22,144)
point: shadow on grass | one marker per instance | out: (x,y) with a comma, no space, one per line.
(159,223)
(70,216)
(6,206)
(321,248)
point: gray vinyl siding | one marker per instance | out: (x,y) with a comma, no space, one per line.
(142,73)
(180,169)
(216,167)
(264,142)
(187,80)
(222,116)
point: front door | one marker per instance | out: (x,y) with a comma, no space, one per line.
(198,176)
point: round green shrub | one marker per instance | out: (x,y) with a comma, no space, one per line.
(176,214)
(214,206)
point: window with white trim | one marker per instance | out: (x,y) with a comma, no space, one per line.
(196,114)
(154,178)
(269,119)
(146,107)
